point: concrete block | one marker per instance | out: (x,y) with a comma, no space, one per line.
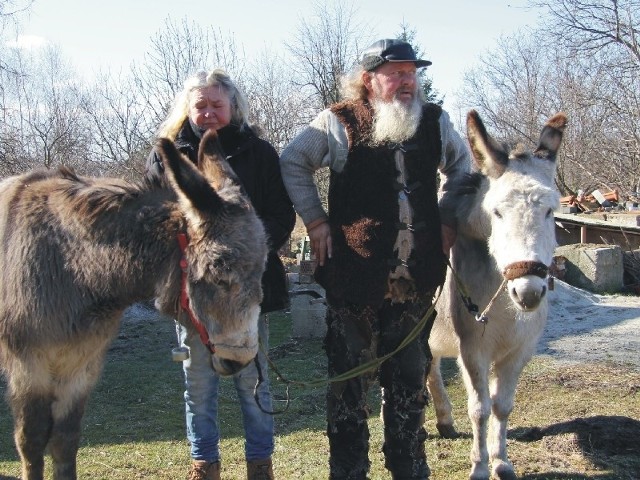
(308,310)
(594,267)
(568,209)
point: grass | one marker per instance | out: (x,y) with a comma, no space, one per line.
(569,422)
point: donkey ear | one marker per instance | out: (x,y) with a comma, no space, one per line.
(212,163)
(489,155)
(190,185)
(551,137)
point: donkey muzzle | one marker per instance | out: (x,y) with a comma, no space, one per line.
(226,367)
(526,293)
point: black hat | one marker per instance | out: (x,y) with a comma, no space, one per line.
(389,50)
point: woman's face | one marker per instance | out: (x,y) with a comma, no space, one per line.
(210,107)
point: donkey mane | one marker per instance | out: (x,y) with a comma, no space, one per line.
(462,193)
(519,152)
(468,184)
(92,197)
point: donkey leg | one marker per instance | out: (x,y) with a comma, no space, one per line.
(503,387)
(65,439)
(33,422)
(441,402)
(475,373)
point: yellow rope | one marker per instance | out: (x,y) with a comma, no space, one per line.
(371,365)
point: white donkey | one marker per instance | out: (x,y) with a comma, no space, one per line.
(506,236)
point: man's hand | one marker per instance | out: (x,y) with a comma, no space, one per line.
(449,235)
(320,237)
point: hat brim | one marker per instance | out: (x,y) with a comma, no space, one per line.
(418,63)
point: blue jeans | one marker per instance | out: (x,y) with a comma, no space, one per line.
(201,400)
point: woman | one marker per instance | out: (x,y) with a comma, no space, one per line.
(211,100)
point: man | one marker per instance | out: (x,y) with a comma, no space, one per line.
(380,247)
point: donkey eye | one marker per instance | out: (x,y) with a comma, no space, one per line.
(549,213)
(497,213)
(219,267)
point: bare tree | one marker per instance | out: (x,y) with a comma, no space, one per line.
(593,26)
(120,126)
(605,36)
(57,127)
(178,50)
(10,138)
(276,104)
(324,49)
(516,86)
(42,113)
(10,9)
(126,110)
(527,77)
(513,86)
(11,13)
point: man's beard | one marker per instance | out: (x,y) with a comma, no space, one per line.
(395,121)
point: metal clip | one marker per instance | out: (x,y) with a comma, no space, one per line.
(180,354)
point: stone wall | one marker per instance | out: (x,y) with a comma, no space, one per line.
(598,268)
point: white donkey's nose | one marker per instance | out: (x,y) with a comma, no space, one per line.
(527,292)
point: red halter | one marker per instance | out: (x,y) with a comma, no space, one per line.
(184,298)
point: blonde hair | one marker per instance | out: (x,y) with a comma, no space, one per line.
(352,85)
(179,112)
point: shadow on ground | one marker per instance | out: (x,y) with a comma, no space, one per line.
(599,438)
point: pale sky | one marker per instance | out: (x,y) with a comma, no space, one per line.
(452,33)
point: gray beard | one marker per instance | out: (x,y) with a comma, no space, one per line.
(394,121)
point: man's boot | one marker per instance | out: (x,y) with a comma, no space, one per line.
(203,470)
(260,469)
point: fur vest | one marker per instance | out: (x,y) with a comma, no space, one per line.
(364,210)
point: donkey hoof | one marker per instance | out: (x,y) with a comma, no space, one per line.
(504,471)
(478,476)
(479,471)
(447,430)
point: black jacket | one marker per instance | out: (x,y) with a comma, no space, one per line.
(257,165)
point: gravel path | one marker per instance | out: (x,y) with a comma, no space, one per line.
(584,327)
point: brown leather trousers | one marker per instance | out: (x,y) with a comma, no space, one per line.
(356,335)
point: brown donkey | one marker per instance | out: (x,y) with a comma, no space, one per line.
(76,251)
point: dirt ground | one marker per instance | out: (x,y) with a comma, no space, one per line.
(583,330)
(585,327)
